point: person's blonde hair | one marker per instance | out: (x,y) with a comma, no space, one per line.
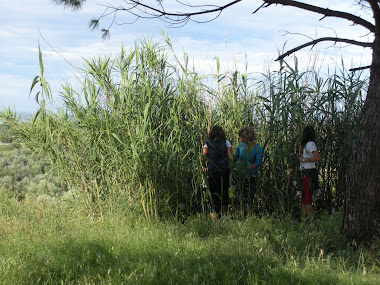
(247,132)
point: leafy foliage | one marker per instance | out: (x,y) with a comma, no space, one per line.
(21,173)
(7,135)
(73,4)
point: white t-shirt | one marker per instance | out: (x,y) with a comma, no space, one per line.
(307,153)
(228,144)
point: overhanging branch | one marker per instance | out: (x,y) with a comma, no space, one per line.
(162,12)
(138,9)
(331,39)
(359,68)
(324,11)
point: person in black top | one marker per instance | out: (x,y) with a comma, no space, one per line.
(217,154)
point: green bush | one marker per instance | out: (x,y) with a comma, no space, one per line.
(21,172)
(7,135)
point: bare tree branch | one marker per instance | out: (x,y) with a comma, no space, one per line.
(331,39)
(190,14)
(374,4)
(175,19)
(324,11)
(138,9)
(360,68)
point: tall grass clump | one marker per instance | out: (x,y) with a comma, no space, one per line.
(290,99)
(278,105)
(134,131)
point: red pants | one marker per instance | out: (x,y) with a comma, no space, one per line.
(306,195)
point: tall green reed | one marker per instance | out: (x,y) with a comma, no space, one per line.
(135,129)
(279,104)
(290,100)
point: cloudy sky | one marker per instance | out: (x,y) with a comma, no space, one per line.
(234,36)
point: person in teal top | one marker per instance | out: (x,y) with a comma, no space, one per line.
(248,159)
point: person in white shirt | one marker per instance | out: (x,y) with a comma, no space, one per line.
(309,155)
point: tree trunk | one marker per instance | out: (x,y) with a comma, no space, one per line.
(361,218)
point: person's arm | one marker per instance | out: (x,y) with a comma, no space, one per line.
(316,157)
(229,153)
(258,160)
(300,153)
(204,154)
(236,155)
(259,156)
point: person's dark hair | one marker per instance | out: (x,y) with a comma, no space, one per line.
(308,135)
(217,133)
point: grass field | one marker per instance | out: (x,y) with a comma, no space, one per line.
(107,189)
(58,242)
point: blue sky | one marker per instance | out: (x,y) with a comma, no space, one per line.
(237,34)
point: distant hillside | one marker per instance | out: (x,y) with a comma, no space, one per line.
(23,116)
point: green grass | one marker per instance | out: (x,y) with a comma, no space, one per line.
(58,242)
(128,144)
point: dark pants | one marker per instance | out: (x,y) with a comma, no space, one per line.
(313,174)
(245,189)
(219,183)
